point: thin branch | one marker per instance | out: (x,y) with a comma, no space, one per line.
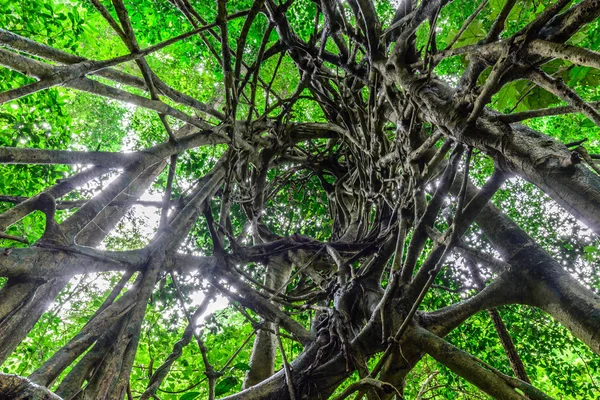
(466,24)
(542,112)
(286,366)
(509,347)
(558,88)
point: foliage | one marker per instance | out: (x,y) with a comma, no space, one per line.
(297,204)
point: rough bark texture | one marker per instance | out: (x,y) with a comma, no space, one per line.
(262,362)
(391,160)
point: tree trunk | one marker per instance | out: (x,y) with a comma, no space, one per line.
(262,361)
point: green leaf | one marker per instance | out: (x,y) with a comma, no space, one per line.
(189,395)
(225,385)
(474,33)
(577,74)
(7,117)
(242,366)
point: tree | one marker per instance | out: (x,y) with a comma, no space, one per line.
(360,179)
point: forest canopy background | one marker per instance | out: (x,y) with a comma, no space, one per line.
(307,172)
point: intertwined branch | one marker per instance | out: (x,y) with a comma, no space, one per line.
(395,145)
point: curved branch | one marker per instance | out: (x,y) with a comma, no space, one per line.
(486,378)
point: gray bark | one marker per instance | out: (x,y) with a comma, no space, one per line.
(262,361)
